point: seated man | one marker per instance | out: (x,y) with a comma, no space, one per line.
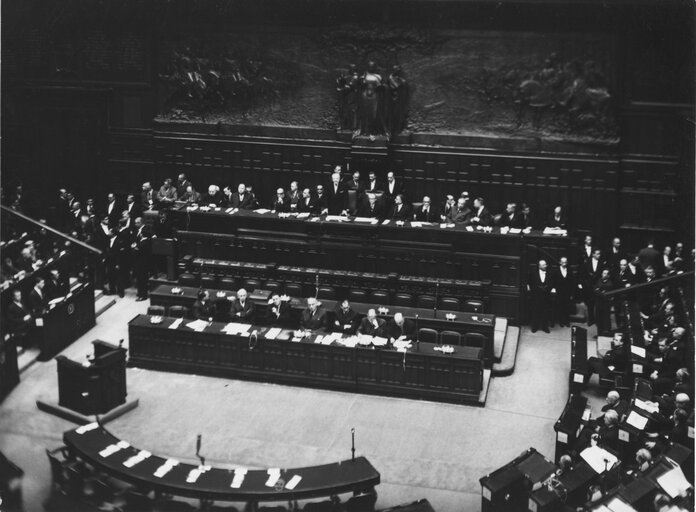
(400,328)
(371,207)
(605,435)
(614,360)
(371,325)
(202,308)
(281,204)
(669,361)
(557,219)
(613,403)
(242,199)
(480,216)
(345,318)
(242,308)
(459,214)
(313,318)
(190,195)
(278,312)
(425,213)
(400,211)
(214,197)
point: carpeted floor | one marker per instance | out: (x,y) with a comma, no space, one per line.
(422,449)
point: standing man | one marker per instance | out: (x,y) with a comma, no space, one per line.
(336,197)
(142,249)
(564,287)
(539,286)
(38,301)
(591,271)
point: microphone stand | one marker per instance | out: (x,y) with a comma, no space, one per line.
(198,450)
(316,286)
(437,295)
(352,448)
(417,340)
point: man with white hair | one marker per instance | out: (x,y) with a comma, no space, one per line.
(371,325)
(242,308)
(336,195)
(314,317)
(399,328)
(425,212)
(242,199)
(214,197)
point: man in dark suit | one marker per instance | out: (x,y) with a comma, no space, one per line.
(242,199)
(115,263)
(56,286)
(132,207)
(371,325)
(182,184)
(400,328)
(214,197)
(614,256)
(557,219)
(424,212)
(392,189)
(19,321)
(564,288)
(371,207)
(243,309)
(372,184)
(345,319)
(400,211)
(294,195)
(75,219)
(648,256)
(202,308)
(459,214)
(480,216)
(147,197)
(669,360)
(305,204)
(320,203)
(590,272)
(526,217)
(336,195)
(603,305)
(142,250)
(539,286)
(167,194)
(112,210)
(314,317)
(280,204)
(37,302)
(278,312)
(586,250)
(510,218)
(615,360)
(356,184)
(447,207)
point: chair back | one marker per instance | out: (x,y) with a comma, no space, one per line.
(427,335)
(474,339)
(473,306)
(156,310)
(357,296)
(327,292)
(403,299)
(187,279)
(450,338)
(450,304)
(178,311)
(426,302)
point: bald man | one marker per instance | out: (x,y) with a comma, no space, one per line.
(400,328)
(281,204)
(242,308)
(314,317)
(371,325)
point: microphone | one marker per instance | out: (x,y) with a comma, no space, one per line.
(437,294)
(352,448)
(198,444)
(316,286)
(417,340)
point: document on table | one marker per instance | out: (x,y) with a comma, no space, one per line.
(262,210)
(176,323)
(639,351)
(349,342)
(636,420)
(293,482)
(236,328)
(646,405)
(618,505)
(165,468)
(674,482)
(338,218)
(598,458)
(363,219)
(378,341)
(273,333)
(238,479)
(402,345)
(197,325)
(273,477)
(416,224)
(385,222)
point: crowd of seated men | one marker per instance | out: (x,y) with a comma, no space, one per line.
(555,292)
(313,318)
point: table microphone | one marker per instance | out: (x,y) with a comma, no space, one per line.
(417,340)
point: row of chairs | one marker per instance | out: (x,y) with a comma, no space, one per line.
(74,480)
(379,297)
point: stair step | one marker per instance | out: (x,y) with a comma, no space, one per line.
(26,357)
(499,333)
(98,294)
(102,304)
(507,363)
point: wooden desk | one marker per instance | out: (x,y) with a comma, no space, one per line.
(421,372)
(464,322)
(67,321)
(325,480)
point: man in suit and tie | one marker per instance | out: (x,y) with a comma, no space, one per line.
(614,256)
(242,308)
(305,203)
(399,328)
(147,197)
(371,325)
(214,197)
(19,320)
(182,184)
(132,207)
(557,219)
(400,211)
(394,188)
(281,204)
(356,184)
(459,214)
(425,213)
(242,199)
(371,207)
(510,218)
(480,216)
(313,318)
(278,312)
(167,195)
(648,256)
(294,196)
(38,301)
(113,210)
(56,286)
(586,250)
(539,286)
(447,207)
(142,250)
(202,308)
(336,195)
(320,203)
(372,184)
(115,259)
(590,272)
(563,290)
(345,318)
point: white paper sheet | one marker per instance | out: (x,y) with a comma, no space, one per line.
(293,482)
(598,458)
(636,420)
(639,351)
(618,505)
(674,482)
(176,323)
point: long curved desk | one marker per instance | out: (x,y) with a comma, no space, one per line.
(216,483)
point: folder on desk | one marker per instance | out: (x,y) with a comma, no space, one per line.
(674,482)
(636,420)
(273,333)
(599,459)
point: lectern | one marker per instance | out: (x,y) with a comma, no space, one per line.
(95,388)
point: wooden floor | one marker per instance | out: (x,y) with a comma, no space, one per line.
(422,449)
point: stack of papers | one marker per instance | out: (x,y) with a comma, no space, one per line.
(646,405)
(598,458)
(136,459)
(303,215)
(618,505)
(273,477)
(236,328)
(239,475)
(176,323)
(555,231)
(674,482)
(166,467)
(515,231)
(197,325)
(416,224)
(385,222)
(338,218)
(402,345)
(363,219)
(86,428)
(113,448)
(638,351)
(349,342)
(273,333)
(636,420)
(293,482)
(378,341)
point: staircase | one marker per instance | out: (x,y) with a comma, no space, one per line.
(505,344)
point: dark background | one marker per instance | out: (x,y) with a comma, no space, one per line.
(85,105)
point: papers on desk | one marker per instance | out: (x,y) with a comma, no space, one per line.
(639,351)
(236,328)
(262,210)
(292,483)
(113,448)
(378,341)
(272,333)
(166,467)
(303,215)
(402,345)
(636,420)
(646,405)
(336,218)
(349,342)
(239,475)
(618,505)
(598,458)
(137,459)
(363,219)
(197,325)
(385,222)
(273,477)
(192,208)
(555,231)
(515,231)
(231,210)
(416,224)
(365,339)
(327,339)
(57,300)
(193,475)
(176,323)
(674,482)
(86,428)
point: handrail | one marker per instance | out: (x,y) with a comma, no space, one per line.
(652,284)
(41,225)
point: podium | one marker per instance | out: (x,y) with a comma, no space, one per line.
(96,388)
